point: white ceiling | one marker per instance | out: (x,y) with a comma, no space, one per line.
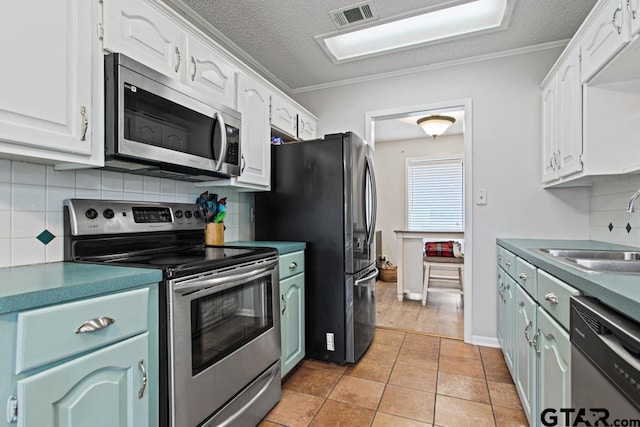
(277,37)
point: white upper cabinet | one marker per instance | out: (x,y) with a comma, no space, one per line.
(284,116)
(46,108)
(253,104)
(209,73)
(569,116)
(140,31)
(606,35)
(307,125)
(549,130)
(633,8)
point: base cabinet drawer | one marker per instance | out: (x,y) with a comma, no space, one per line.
(49,334)
(553,295)
(291,264)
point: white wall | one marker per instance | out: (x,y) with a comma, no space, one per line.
(389,163)
(609,199)
(31,197)
(505,93)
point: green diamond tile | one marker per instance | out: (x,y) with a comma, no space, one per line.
(610,226)
(628,227)
(46,236)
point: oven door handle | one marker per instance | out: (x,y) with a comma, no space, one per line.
(228,280)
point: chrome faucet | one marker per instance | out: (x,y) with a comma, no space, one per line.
(632,202)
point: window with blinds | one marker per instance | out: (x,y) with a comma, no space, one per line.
(435,199)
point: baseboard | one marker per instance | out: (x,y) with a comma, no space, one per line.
(485,341)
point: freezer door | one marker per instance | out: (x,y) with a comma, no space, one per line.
(363,203)
(363,316)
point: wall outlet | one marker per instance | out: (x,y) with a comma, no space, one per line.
(330,343)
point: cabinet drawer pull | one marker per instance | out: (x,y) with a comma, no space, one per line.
(508,263)
(95,324)
(551,297)
(179,57)
(293,265)
(285,304)
(523,276)
(143,372)
(195,69)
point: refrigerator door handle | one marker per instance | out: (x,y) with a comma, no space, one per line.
(373,275)
(368,174)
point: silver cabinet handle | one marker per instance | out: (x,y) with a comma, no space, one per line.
(618,28)
(293,265)
(534,341)
(95,324)
(523,276)
(551,297)
(179,59)
(499,257)
(526,333)
(85,123)
(633,12)
(195,69)
(143,372)
(285,303)
(244,163)
(507,263)
(552,161)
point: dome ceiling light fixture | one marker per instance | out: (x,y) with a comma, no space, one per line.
(436,125)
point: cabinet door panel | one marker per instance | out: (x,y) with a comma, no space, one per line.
(501,309)
(253,103)
(525,324)
(549,131)
(45,81)
(306,127)
(98,390)
(292,321)
(141,32)
(554,364)
(509,318)
(284,116)
(569,117)
(210,73)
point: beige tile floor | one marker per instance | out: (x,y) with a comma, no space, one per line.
(404,379)
(443,315)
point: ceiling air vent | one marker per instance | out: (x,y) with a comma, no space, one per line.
(354,14)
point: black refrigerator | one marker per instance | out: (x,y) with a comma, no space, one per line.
(323,192)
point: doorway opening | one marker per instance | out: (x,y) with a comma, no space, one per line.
(398,142)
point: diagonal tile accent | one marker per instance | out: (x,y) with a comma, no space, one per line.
(46,237)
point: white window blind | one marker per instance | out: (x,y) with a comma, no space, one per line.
(435,194)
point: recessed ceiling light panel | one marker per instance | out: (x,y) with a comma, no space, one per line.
(416,30)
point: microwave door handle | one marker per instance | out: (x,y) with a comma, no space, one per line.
(220,127)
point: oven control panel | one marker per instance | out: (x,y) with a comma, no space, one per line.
(90,217)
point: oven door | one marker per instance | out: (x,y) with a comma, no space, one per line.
(224,333)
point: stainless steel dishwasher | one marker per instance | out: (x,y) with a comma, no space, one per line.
(605,363)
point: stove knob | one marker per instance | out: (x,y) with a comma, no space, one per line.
(187,214)
(91,213)
(196,214)
(178,214)
(108,213)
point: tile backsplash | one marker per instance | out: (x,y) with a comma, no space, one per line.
(610,221)
(32,195)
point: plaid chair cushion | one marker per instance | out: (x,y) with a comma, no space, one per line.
(439,249)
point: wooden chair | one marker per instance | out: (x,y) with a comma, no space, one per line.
(445,263)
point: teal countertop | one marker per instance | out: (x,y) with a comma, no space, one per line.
(619,291)
(282,247)
(37,285)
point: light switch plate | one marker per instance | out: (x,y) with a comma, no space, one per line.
(481,197)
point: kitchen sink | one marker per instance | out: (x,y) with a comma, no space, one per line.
(609,261)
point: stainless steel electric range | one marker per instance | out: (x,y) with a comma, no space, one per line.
(219,352)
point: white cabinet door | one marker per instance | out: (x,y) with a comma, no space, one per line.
(554,364)
(569,121)
(549,131)
(209,73)
(606,35)
(292,322)
(284,116)
(253,103)
(101,389)
(501,308)
(633,8)
(45,79)
(526,360)
(306,127)
(509,318)
(140,31)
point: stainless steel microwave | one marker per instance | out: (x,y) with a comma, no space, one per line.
(157,126)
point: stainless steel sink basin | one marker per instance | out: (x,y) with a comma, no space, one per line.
(609,261)
(593,254)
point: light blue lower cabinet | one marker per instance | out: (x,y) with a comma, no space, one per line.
(526,359)
(292,326)
(554,365)
(105,388)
